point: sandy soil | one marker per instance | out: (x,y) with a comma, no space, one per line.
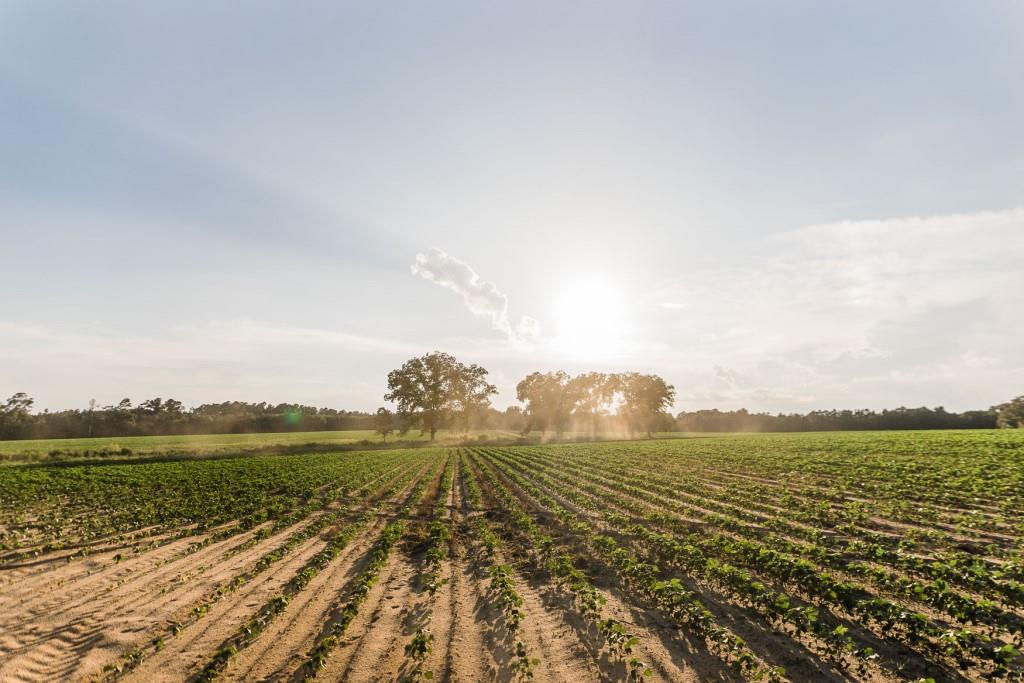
(283,646)
(71,631)
(186,653)
(374,648)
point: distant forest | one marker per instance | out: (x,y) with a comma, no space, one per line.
(835,420)
(159,416)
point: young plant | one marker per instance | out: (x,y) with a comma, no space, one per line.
(418,649)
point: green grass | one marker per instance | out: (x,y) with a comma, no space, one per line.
(42,450)
(207,444)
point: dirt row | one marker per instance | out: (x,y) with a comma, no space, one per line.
(67,620)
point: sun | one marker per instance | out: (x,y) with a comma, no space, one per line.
(590,319)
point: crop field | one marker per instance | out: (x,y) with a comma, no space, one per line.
(201,443)
(813,557)
(198,444)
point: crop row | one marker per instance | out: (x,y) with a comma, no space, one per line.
(430,578)
(1001,584)
(58,506)
(360,588)
(502,588)
(248,632)
(328,521)
(562,567)
(703,558)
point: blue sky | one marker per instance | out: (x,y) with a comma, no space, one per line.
(781,206)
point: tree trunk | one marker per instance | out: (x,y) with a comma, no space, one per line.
(432,433)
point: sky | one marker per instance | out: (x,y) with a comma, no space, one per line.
(780,206)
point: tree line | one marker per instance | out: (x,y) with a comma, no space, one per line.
(436,391)
(839,420)
(159,416)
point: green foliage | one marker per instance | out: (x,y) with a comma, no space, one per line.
(1010,415)
(750,528)
(418,649)
(436,390)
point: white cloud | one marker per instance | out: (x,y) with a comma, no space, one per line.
(482,298)
(870,312)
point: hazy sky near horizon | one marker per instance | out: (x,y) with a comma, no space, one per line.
(780,206)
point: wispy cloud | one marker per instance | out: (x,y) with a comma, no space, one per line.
(856,312)
(481,297)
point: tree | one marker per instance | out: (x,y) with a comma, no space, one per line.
(594,393)
(644,399)
(550,399)
(431,389)
(174,406)
(1010,415)
(19,404)
(153,406)
(471,396)
(92,409)
(16,415)
(384,422)
(512,419)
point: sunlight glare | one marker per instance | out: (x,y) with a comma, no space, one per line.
(590,317)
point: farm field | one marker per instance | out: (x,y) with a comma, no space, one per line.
(198,444)
(41,450)
(828,556)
